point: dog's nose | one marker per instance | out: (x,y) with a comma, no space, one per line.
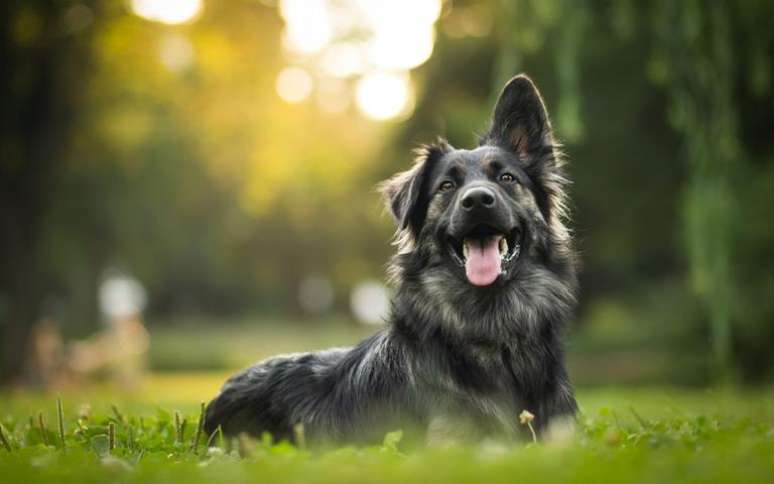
(478,197)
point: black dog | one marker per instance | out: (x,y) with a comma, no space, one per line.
(484,279)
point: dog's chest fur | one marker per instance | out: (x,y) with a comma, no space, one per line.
(476,394)
(476,389)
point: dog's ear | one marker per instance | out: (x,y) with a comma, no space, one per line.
(404,193)
(520,121)
(520,124)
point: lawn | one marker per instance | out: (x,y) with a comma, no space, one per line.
(645,434)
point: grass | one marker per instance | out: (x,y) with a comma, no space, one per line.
(610,351)
(153,435)
(152,432)
(208,344)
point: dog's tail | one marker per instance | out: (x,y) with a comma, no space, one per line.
(263,397)
(236,409)
(273,395)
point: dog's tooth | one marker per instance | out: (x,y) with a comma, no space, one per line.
(465,250)
(503,247)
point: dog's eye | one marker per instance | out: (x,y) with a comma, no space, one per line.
(446,186)
(507,178)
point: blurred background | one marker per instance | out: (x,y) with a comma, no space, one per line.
(187,186)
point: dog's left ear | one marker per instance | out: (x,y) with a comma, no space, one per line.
(520,121)
(404,192)
(520,125)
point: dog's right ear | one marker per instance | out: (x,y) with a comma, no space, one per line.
(404,192)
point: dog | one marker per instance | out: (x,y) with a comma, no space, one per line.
(484,281)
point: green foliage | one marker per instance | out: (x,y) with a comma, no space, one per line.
(696,42)
(629,437)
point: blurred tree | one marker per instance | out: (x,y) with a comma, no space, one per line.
(44,51)
(708,58)
(695,53)
(181,140)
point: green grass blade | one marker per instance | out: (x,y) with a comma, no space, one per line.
(111,437)
(118,414)
(199,430)
(60,421)
(4,439)
(42,426)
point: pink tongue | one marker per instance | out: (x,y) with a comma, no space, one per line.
(482,265)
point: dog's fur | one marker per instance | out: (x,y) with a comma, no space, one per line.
(453,355)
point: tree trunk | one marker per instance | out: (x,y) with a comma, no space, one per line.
(38,64)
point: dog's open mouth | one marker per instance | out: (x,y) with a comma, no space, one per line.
(483,252)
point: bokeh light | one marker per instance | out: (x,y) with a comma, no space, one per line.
(371,44)
(294,84)
(308,28)
(121,296)
(403,33)
(401,49)
(382,96)
(370,302)
(343,60)
(170,12)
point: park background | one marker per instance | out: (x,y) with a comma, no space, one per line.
(224,155)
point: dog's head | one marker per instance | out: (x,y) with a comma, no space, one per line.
(482,213)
